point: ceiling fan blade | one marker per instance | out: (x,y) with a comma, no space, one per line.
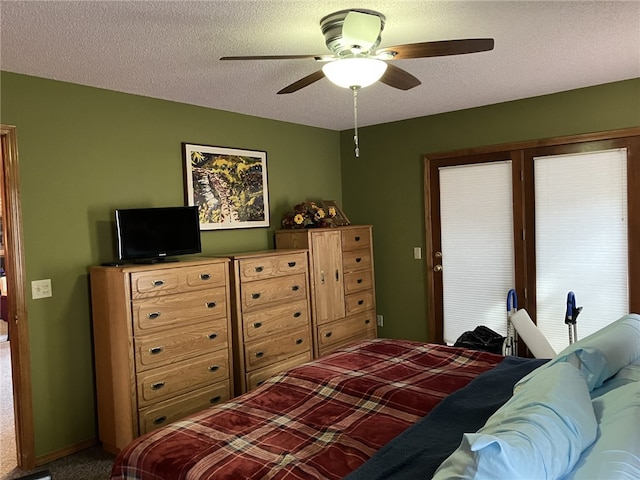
(271,57)
(303,82)
(398,78)
(361,29)
(437,49)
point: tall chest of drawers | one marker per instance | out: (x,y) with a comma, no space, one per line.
(342,282)
(272,326)
(162,344)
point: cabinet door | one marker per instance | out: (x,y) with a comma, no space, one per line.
(328,278)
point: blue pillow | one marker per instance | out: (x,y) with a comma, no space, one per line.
(600,355)
(616,452)
(539,433)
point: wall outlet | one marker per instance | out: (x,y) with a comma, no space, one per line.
(380,320)
(41,289)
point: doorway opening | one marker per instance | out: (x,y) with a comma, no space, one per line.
(18,367)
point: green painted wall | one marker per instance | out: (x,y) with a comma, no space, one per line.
(384,186)
(85,151)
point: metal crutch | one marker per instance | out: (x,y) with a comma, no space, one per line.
(512,307)
(571,317)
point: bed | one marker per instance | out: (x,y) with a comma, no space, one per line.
(399,409)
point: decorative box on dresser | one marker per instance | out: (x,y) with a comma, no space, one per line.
(162,344)
(272,326)
(342,282)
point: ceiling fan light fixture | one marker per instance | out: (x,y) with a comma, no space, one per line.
(354,72)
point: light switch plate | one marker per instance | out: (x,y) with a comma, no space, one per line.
(41,289)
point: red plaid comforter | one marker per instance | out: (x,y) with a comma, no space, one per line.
(320,420)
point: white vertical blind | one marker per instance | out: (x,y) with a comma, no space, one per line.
(477,246)
(581,241)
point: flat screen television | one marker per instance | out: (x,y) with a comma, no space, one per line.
(150,235)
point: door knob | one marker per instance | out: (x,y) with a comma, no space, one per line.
(437,268)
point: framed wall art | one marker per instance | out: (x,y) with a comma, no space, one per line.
(340,219)
(228,185)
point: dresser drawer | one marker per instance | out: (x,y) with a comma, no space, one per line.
(356,238)
(275,319)
(261,292)
(178,310)
(272,266)
(363,335)
(164,413)
(358,281)
(165,382)
(356,260)
(258,377)
(359,302)
(338,332)
(277,348)
(180,344)
(167,281)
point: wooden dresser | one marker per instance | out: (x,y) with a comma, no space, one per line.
(163,345)
(272,325)
(342,282)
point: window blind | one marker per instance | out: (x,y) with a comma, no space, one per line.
(477,246)
(581,240)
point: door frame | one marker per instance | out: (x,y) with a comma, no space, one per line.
(523,246)
(17,305)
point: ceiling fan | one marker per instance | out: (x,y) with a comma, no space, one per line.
(354,36)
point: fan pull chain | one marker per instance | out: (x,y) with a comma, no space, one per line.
(355,119)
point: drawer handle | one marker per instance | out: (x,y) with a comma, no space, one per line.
(291,264)
(213,336)
(255,295)
(367,321)
(215,399)
(157,385)
(337,275)
(205,276)
(259,269)
(214,368)
(259,354)
(295,288)
(160,420)
(157,283)
(297,314)
(360,302)
(299,341)
(359,280)
(211,304)
(328,334)
(257,324)
(357,238)
(358,259)
(155,350)
(153,315)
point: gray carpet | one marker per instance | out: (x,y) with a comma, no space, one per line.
(91,464)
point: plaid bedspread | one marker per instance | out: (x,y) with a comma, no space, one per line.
(320,420)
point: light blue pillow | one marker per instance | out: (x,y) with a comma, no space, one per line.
(539,433)
(616,452)
(601,354)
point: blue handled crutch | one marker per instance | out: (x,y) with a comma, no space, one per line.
(571,317)
(512,307)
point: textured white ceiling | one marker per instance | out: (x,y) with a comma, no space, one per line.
(171,50)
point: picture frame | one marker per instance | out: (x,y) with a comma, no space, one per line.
(228,185)
(340,219)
